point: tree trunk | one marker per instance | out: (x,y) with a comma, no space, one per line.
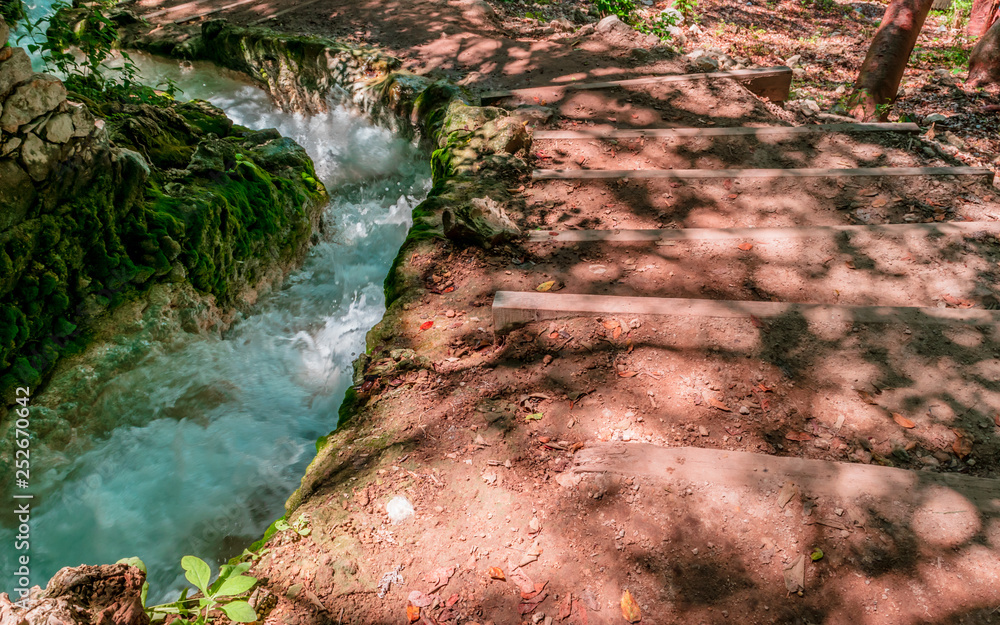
(984,13)
(882,70)
(984,63)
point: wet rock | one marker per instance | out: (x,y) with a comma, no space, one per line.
(14,70)
(59,128)
(480,219)
(38,156)
(100,595)
(31,99)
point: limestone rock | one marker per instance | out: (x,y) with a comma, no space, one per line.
(37,156)
(109,594)
(481,219)
(533,114)
(505,135)
(612,24)
(4,33)
(935,117)
(562,24)
(38,96)
(15,69)
(83,120)
(59,129)
(10,146)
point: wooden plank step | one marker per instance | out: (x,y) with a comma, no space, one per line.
(767,82)
(761,472)
(727,234)
(225,7)
(669,133)
(705,174)
(513,308)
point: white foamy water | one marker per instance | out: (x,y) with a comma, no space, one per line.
(230,424)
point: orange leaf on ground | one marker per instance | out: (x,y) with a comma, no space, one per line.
(627,374)
(798,436)
(732,196)
(868,398)
(497,573)
(616,332)
(630,609)
(746,247)
(448,289)
(996,418)
(427,325)
(962,445)
(879,202)
(903,421)
(412,613)
(554,335)
(452,600)
(757,323)
(715,403)
(611,324)
(763,389)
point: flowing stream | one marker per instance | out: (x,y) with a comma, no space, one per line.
(229,425)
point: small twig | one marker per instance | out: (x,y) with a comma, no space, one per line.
(340,616)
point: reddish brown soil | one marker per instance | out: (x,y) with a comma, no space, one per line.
(491,486)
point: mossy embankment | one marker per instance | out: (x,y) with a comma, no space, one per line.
(160,206)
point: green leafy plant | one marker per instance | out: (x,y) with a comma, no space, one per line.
(222,594)
(298,525)
(624,9)
(687,9)
(79,44)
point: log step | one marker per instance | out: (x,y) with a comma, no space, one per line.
(767,82)
(668,133)
(703,174)
(738,469)
(513,308)
(727,234)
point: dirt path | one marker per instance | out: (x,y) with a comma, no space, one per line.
(496,444)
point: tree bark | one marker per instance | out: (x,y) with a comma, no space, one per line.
(984,63)
(883,68)
(984,13)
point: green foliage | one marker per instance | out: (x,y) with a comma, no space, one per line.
(95,35)
(954,57)
(223,594)
(687,9)
(11,11)
(299,526)
(957,14)
(624,9)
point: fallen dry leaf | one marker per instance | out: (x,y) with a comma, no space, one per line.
(545,286)
(419,599)
(732,196)
(715,403)
(616,332)
(630,609)
(440,576)
(879,202)
(746,247)
(850,264)
(452,600)
(496,573)
(427,325)
(962,445)
(788,490)
(627,374)
(798,436)
(903,421)
(554,335)
(795,574)
(611,324)
(522,581)
(867,397)
(566,607)
(412,613)
(757,323)
(996,419)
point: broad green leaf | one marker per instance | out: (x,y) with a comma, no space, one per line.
(535,416)
(240,612)
(133,561)
(281,525)
(197,572)
(235,586)
(240,568)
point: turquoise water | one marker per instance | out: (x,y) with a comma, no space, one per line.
(231,423)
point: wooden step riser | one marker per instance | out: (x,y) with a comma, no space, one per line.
(772,83)
(813,478)
(682,133)
(763,234)
(768,174)
(515,308)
